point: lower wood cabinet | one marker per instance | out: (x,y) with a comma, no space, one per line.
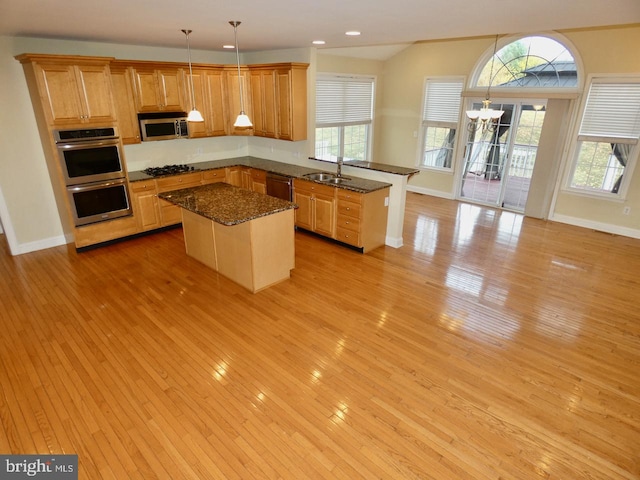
(144,201)
(362,218)
(170,214)
(214,176)
(316,207)
(258,180)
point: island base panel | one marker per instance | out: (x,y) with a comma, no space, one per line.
(255,254)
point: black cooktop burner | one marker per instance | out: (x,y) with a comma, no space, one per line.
(168,170)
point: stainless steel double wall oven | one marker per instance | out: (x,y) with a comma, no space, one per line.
(93,168)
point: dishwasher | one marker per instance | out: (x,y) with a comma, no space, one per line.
(280,186)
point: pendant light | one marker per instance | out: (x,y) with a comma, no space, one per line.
(486,114)
(194,115)
(243,120)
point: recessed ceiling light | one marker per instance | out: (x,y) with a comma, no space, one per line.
(352,33)
(228,46)
(318,42)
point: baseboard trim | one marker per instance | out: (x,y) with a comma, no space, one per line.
(598,226)
(428,191)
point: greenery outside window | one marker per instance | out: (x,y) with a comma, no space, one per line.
(607,143)
(440,116)
(344,114)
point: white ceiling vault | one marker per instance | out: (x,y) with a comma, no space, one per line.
(283,24)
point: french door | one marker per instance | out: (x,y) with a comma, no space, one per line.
(499,161)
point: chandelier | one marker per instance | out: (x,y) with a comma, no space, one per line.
(485,118)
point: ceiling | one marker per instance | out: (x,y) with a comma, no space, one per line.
(283,24)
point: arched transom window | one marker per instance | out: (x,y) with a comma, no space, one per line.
(530,62)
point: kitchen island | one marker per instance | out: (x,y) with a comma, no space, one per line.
(246,236)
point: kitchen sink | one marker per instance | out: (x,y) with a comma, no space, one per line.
(338,180)
(320,176)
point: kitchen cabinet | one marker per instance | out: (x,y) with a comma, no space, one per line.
(170,213)
(214,176)
(122,82)
(144,200)
(279,100)
(232,87)
(263,102)
(292,101)
(158,88)
(73,90)
(258,180)
(234,176)
(316,207)
(209,93)
(362,218)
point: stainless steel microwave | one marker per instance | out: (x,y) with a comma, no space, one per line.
(163,126)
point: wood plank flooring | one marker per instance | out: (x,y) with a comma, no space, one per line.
(490,346)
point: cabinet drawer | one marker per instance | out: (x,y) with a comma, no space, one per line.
(258,175)
(350,196)
(179,181)
(348,236)
(143,186)
(311,187)
(349,208)
(349,223)
(213,176)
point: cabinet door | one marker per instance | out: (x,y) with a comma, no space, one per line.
(304,212)
(146,96)
(285,127)
(145,205)
(197,129)
(215,103)
(234,176)
(325,215)
(94,87)
(122,81)
(233,98)
(170,90)
(263,103)
(59,93)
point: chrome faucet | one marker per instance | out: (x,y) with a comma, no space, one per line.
(340,160)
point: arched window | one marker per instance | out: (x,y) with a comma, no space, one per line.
(530,62)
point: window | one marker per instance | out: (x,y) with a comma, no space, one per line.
(530,62)
(608,136)
(440,115)
(344,113)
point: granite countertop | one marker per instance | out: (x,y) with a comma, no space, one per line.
(379,167)
(226,204)
(361,185)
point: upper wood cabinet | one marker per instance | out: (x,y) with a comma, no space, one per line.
(292,101)
(232,87)
(73,90)
(209,93)
(279,100)
(159,88)
(263,102)
(122,81)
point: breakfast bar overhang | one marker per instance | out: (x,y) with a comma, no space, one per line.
(246,236)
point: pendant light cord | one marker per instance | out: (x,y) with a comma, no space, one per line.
(193,97)
(235,31)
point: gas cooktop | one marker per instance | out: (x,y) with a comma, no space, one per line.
(168,170)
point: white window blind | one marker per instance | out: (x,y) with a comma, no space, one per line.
(442,101)
(612,111)
(344,101)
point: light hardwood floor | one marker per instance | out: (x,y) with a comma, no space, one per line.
(490,346)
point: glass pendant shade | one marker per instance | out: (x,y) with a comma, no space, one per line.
(243,121)
(195,116)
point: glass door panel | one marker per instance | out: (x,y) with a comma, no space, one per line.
(499,160)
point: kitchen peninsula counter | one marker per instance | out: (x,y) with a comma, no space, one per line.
(245,236)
